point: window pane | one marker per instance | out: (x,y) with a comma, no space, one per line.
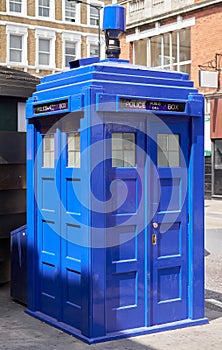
(15,42)
(94,16)
(44,59)
(140,52)
(123,149)
(218,154)
(44,52)
(185,68)
(174,47)
(44,8)
(48,151)
(94,50)
(15,5)
(166,46)
(15,48)
(70,52)
(168,150)
(15,56)
(44,45)
(73,142)
(70,11)
(184,36)
(155,45)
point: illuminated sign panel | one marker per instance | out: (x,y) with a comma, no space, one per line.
(152,105)
(51,107)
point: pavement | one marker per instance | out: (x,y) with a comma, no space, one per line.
(20,331)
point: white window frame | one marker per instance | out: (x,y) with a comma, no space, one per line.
(19,31)
(51,11)
(77,18)
(93,40)
(75,38)
(97,3)
(48,35)
(23,8)
(21,117)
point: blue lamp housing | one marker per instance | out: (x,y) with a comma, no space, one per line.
(114,24)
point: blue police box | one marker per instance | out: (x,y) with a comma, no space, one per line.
(115,198)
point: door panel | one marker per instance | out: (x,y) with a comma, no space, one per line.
(169,226)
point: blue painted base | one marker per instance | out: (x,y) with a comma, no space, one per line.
(118,335)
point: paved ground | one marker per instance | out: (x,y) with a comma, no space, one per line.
(20,331)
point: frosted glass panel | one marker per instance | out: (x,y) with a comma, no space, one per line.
(73,141)
(48,151)
(168,150)
(123,149)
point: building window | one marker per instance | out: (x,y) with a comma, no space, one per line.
(168,150)
(70,11)
(45,49)
(71,48)
(167,51)
(94,50)
(93,15)
(140,46)
(16,45)
(70,52)
(136,5)
(45,8)
(44,52)
(15,6)
(15,48)
(73,142)
(217,174)
(123,149)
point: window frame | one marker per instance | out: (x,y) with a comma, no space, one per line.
(77,17)
(166,31)
(96,3)
(75,38)
(76,151)
(21,31)
(93,40)
(23,8)
(123,151)
(51,11)
(51,152)
(47,35)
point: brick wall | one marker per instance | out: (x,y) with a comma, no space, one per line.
(58,50)
(31,8)
(58,10)
(3,44)
(31,47)
(206,39)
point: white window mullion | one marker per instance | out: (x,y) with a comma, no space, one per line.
(178,50)
(162,52)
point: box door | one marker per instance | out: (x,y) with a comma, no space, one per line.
(71,228)
(58,220)
(169,147)
(125,235)
(48,215)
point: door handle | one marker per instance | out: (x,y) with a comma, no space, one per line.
(155,224)
(154,239)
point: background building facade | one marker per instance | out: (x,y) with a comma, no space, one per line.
(42,36)
(183,35)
